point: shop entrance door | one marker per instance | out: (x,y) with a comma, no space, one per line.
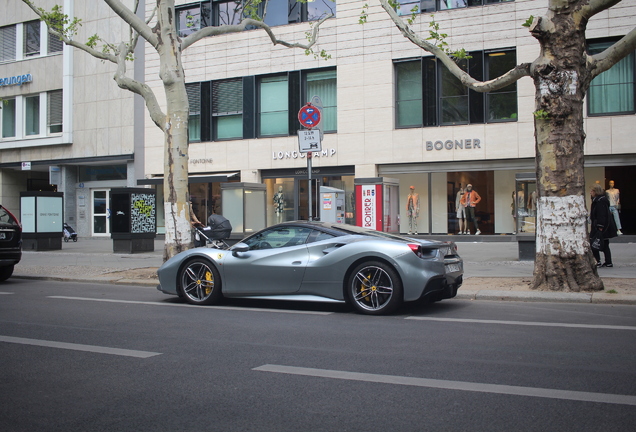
(99,204)
(303,198)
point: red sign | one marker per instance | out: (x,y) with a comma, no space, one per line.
(369,206)
(309,116)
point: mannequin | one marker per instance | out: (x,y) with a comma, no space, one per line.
(470,199)
(461,211)
(614,197)
(413,209)
(279,204)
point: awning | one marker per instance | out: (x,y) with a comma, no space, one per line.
(196,178)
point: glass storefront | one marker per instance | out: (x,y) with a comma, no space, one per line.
(288,193)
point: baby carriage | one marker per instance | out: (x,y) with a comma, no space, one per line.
(215,234)
(69,233)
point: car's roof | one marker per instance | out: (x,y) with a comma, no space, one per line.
(344,229)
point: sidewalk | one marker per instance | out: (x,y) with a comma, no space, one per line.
(492,270)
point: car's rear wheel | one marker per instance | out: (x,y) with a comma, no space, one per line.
(375,288)
(200,282)
(6,272)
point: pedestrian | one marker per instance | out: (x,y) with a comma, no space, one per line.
(470,199)
(196,223)
(602,225)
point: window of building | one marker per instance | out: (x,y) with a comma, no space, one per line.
(427,94)
(303,11)
(406,6)
(323,85)
(31,38)
(188,19)
(32,115)
(54,44)
(54,112)
(8,118)
(227,109)
(228,12)
(7,43)
(194,118)
(273,105)
(612,92)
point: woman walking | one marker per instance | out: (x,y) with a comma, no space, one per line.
(602,225)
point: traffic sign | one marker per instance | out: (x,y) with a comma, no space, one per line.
(309,116)
(309,141)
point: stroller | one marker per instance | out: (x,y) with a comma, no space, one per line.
(69,233)
(215,234)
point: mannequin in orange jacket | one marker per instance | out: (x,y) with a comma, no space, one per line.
(470,199)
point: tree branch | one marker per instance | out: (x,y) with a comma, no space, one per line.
(612,55)
(506,79)
(135,22)
(595,6)
(225,29)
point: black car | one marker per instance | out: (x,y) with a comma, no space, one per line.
(10,243)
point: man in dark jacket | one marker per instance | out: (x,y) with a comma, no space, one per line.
(602,225)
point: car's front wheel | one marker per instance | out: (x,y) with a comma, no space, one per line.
(200,282)
(375,288)
(6,272)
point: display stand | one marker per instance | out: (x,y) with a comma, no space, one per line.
(42,218)
(133,219)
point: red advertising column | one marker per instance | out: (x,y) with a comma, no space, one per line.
(369,206)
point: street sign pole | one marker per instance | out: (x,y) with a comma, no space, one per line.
(309,116)
(311,216)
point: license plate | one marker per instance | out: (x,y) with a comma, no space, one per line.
(452,268)
(3,236)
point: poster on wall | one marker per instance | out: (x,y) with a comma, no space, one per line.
(50,214)
(369,206)
(143,213)
(27,214)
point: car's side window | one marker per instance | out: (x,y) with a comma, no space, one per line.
(278,238)
(317,236)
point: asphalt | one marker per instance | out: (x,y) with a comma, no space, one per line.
(93,260)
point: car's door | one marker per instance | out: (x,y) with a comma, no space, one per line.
(274,264)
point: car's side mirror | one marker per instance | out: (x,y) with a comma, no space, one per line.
(239,247)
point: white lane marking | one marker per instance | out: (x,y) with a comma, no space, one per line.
(6,292)
(526,323)
(79,347)
(454,385)
(237,308)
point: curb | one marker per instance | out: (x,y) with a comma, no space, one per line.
(489,295)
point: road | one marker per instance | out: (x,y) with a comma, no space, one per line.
(89,357)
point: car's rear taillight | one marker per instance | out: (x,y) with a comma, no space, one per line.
(417,249)
(14,219)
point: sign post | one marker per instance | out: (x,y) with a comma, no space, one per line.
(309,140)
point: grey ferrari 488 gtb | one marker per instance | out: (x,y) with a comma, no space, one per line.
(318,261)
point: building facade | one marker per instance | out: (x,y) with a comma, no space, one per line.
(65,124)
(389,110)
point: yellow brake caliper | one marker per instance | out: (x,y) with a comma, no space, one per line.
(209,286)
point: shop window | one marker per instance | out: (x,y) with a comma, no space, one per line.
(227,109)
(54,44)
(31,38)
(323,84)
(8,118)
(273,106)
(7,43)
(427,94)
(54,117)
(102,173)
(32,115)
(612,92)
(194,117)
(188,19)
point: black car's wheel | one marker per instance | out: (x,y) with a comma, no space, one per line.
(200,282)
(6,272)
(375,288)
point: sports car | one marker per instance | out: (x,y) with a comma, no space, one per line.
(318,261)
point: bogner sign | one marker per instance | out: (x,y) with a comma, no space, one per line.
(468,144)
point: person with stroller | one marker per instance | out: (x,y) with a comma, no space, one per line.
(196,223)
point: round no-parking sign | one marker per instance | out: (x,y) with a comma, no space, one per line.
(309,116)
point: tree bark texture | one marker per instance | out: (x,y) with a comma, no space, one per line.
(563,258)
